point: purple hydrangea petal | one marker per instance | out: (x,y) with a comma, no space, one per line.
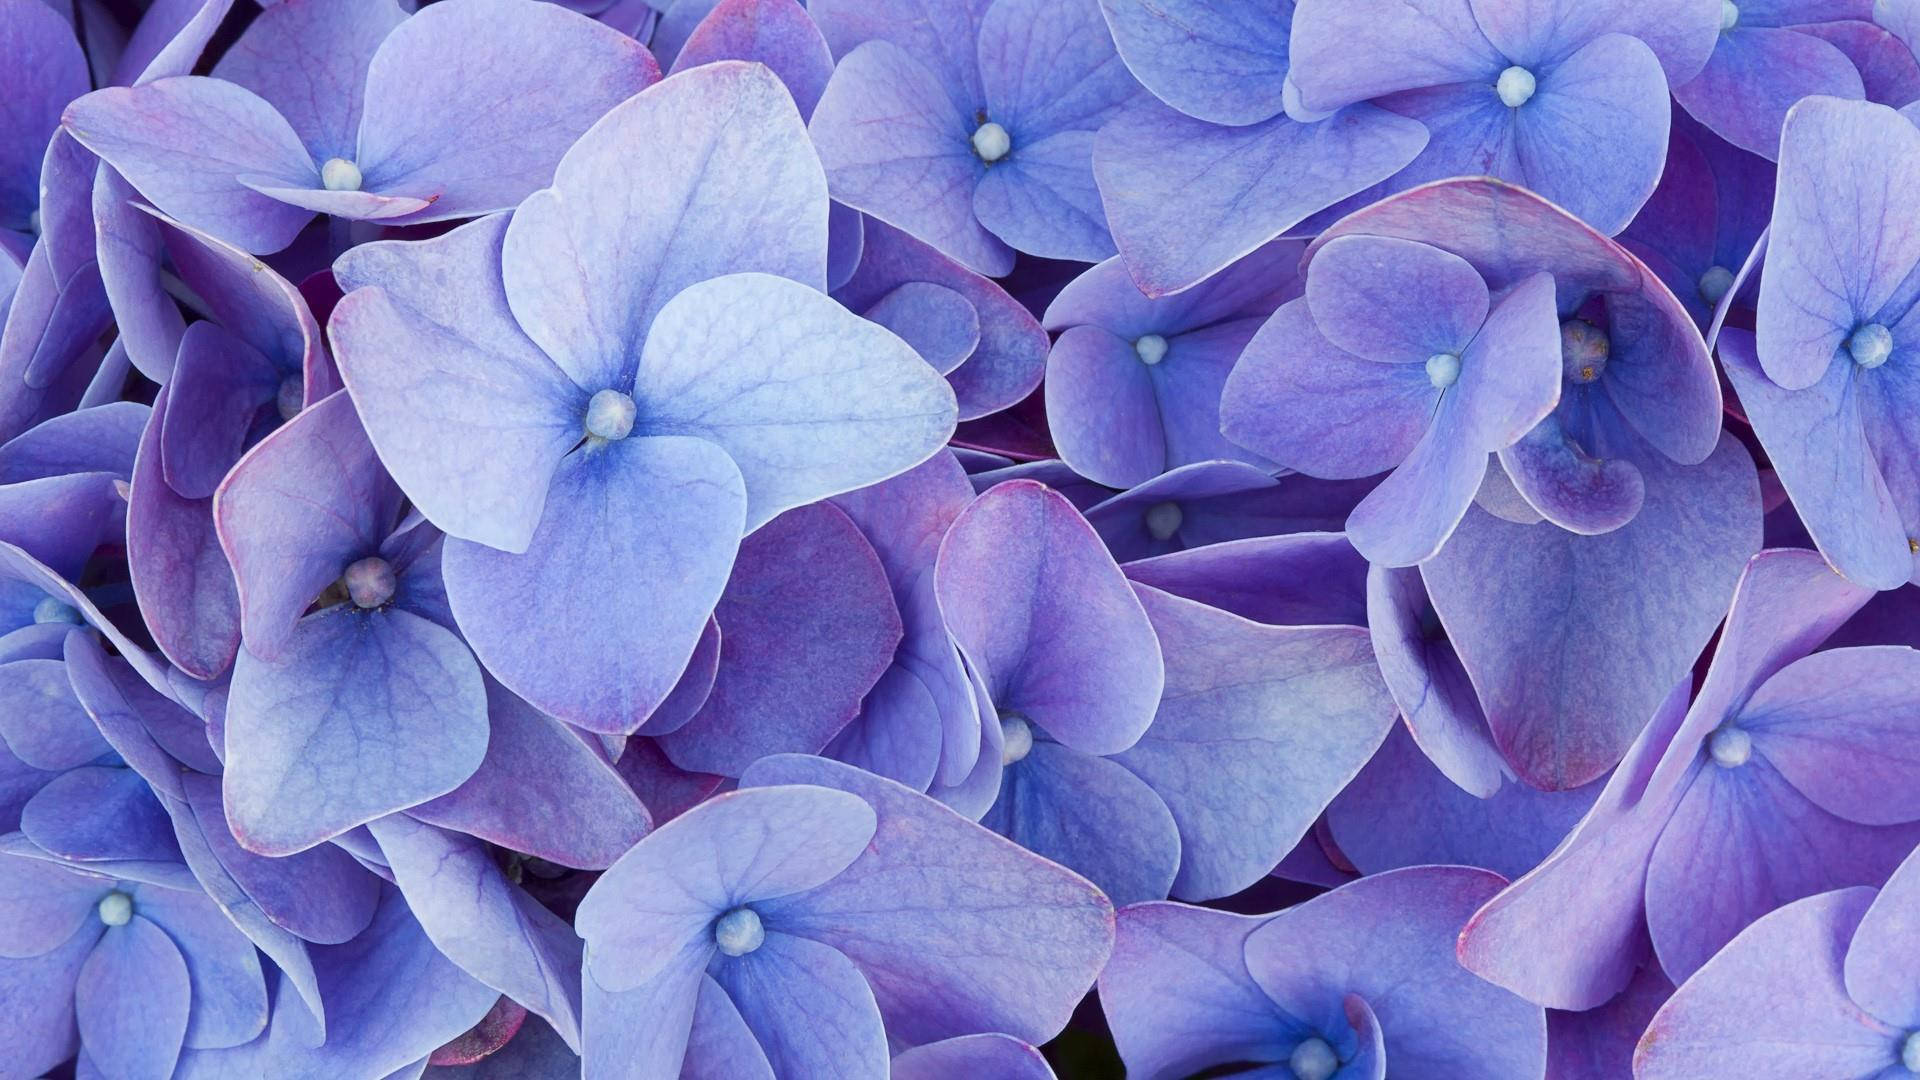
(1092,815)
(1680,34)
(1395,301)
(683,702)
(50,71)
(1882,949)
(1407,46)
(808,625)
(1220,63)
(654,584)
(777,33)
(46,905)
(425,133)
(42,1023)
(96,813)
(645,1028)
(809,1008)
(186,141)
(1218,501)
(571,252)
(720,1045)
(42,722)
(309,61)
(1026,937)
(135,1033)
(1756,74)
(228,988)
(1424,674)
(988,1054)
(1301,579)
(1836,726)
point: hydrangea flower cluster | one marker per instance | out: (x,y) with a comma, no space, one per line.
(960,539)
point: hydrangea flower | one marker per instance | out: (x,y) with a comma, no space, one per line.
(127,964)
(1781,780)
(1133,384)
(971,125)
(645,421)
(355,109)
(1432,389)
(1353,983)
(1631,467)
(1827,377)
(1839,961)
(817,916)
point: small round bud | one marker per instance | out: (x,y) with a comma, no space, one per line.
(1443,370)
(371,582)
(1151,349)
(1910,1052)
(289,397)
(610,415)
(992,142)
(1163,520)
(1870,345)
(1729,15)
(739,932)
(1515,86)
(1313,1059)
(1715,283)
(50,610)
(1016,738)
(339,174)
(116,908)
(1730,747)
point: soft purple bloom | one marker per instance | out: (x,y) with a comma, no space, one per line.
(1133,384)
(1785,777)
(795,926)
(127,965)
(355,109)
(1832,974)
(1828,378)
(971,125)
(643,421)
(1354,983)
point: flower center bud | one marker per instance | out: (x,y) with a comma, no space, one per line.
(291,393)
(1910,1052)
(1870,345)
(339,174)
(1715,283)
(1163,520)
(33,223)
(370,583)
(1515,87)
(991,142)
(1584,348)
(50,610)
(610,415)
(1313,1059)
(1151,349)
(116,908)
(1730,747)
(1729,15)
(1016,738)
(1443,370)
(739,932)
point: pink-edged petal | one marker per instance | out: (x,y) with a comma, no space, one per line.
(587,274)
(461,110)
(633,549)
(777,33)
(1712,1022)
(185,142)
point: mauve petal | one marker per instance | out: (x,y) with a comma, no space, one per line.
(1222,64)
(1709,1023)
(808,626)
(47,70)
(179,574)
(184,142)
(100,438)
(996,1055)
(1838,726)
(1424,674)
(431,131)
(1392,300)
(777,33)
(1300,579)
(1880,954)
(940,324)
(1756,74)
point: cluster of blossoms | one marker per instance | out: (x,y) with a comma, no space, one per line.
(952,539)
